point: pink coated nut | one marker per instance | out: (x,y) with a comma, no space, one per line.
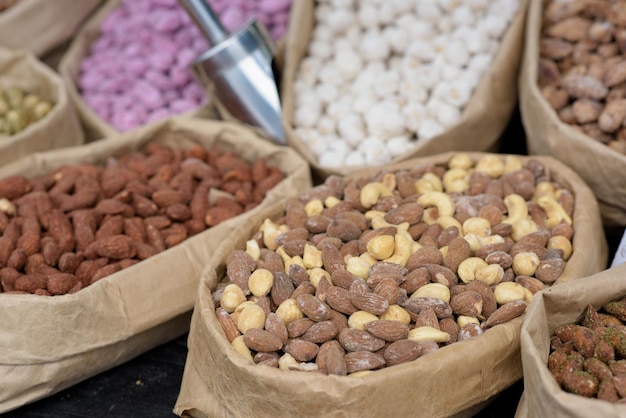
(159,80)
(101,44)
(89,81)
(164,45)
(166,21)
(232,18)
(170,95)
(166,3)
(136,67)
(273,6)
(182,105)
(161,61)
(218,6)
(193,91)
(148,95)
(179,76)
(157,115)
(183,37)
(124,121)
(200,45)
(123,101)
(185,57)
(110,22)
(133,50)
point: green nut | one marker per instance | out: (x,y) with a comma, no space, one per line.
(41,109)
(14,96)
(17,120)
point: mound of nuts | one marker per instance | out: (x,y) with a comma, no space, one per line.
(589,358)
(62,232)
(582,69)
(380,76)
(5,4)
(362,274)
(19,109)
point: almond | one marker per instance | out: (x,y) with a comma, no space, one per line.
(402,351)
(261,340)
(388,330)
(363,360)
(301,350)
(369,302)
(358,340)
(506,313)
(228,324)
(313,308)
(320,332)
(468,303)
(338,298)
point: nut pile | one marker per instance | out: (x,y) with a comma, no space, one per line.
(582,69)
(379,76)
(5,4)
(19,109)
(589,358)
(61,232)
(355,276)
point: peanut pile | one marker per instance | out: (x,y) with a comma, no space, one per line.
(61,232)
(589,358)
(359,275)
(19,109)
(582,69)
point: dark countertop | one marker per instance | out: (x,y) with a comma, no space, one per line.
(148,385)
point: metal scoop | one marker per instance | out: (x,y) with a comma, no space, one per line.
(239,66)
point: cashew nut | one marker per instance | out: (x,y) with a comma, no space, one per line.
(373,214)
(560,242)
(402,250)
(430,215)
(289,311)
(315,275)
(358,319)
(260,282)
(443,202)
(371,192)
(286,361)
(463,320)
(313,207)
(461,160)
(7,206)
(508,292)
(232,296)
(468,267)
(456,180)
(429,182)
(380,222)
(448,221)
(477,242)
(523,227)
(312,256)
(367,257)
(358,266)
(240,346)
(554,210)
(360,373)
(389,181)
(516,208)
(253,249)
(433,290)
(397,313)
(512,163)
(381,247)
(478,226)
(525,263)
(491,165)
(428,334)
(491,274)
(543,188)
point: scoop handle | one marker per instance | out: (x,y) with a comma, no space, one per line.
(206,20)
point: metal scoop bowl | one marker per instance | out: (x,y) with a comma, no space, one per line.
(238,68)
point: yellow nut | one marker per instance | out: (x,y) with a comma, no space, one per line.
(240,346)
(430,215)
(380,222)
(358,266)
(296,259)
(516,208)
(402,249)
(7,206)
(528,295)
(428,334)
(461,160)
(286,361)
(491,274)
(312,256)
(389,180)
(523,227)
(315,275)
(358,319)
(252,316)
(397,313)
(468,267)
(478,226)
(448,221)
(289,311)
(381,247)
(360,373)
(506,292)
(433,290)
(443,202)
(463,320)
(525,263)
(232,297)
(512,163)
(253,249)
(371,192)
(554,211)
(544,188)
(491,165)
(260,282)
(429,182)
(368,258)
(456,180)
(313,207)
(561,243)
(270,233)
(370,215)
(331,201)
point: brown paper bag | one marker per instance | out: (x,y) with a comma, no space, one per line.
(60,128)
(41,25)
(69,67)
(453,380)
(560,305)
(483,120)
(50,343)
(602,168)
